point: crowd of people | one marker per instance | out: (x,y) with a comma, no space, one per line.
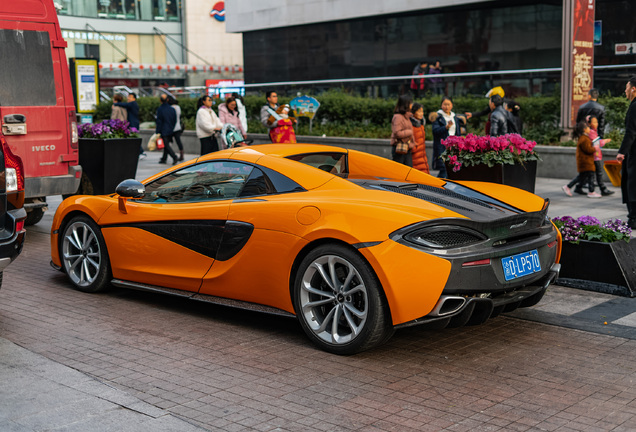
(408,130)
(407,125)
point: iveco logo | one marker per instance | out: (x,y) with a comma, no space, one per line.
(522,224)
(43,147)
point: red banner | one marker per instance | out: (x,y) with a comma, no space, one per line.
(582,53)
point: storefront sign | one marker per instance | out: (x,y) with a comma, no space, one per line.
(582,54)
(218,11)
(625,48)
(304,106)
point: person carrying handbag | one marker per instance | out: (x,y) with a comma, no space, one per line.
(208,125)
(402,142)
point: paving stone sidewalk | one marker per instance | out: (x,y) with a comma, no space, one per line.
(38,394)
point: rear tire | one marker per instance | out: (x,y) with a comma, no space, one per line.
(34,216)
(84,256)
(339,301)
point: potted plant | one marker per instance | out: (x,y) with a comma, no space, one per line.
(108,154)
(597,256)
(508,159)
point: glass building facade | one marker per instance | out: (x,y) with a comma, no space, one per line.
(486,36)
(145,10)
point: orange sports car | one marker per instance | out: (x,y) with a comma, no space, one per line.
(353,245)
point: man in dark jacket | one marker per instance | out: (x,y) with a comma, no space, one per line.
(499,118)
(166,121)
(627,155)
(132,108)
(593,108)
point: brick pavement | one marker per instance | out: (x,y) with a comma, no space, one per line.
(224,369)
(230,370)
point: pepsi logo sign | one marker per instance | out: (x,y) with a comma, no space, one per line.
(218,11)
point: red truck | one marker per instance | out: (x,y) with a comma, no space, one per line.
(36,102)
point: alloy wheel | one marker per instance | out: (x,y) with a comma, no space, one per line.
(334,299)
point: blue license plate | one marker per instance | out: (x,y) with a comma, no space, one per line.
(520,265)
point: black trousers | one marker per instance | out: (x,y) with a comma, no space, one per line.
(177,139)
(209,145)
(586,178)
(628,184)
(167,150)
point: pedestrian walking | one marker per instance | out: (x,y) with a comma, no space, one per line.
(118,112)
(178,129)
(446,124)
(417,84)
(627,155)
(132,112)
(488,110)
(593,108)
(242,111)
(402,131)
(500,118)
(228,113)
(207,125)
(166,120)
(277,121)
(513,108)
(597,142)
(585,159)
(420,161)
(437,84)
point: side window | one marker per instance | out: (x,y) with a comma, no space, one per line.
(209,181)
(257,184)
(26,68)
(334,163)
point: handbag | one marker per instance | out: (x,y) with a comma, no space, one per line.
(402,147)
(160,144)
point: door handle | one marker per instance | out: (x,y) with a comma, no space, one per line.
(14,124)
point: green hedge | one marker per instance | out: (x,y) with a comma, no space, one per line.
(343,114)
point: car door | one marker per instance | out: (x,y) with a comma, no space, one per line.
(170,237)
(260,244)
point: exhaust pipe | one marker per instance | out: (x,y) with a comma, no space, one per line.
(448,305)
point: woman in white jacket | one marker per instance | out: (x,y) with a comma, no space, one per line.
(207,124)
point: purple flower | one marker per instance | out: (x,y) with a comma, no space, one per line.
(107,129)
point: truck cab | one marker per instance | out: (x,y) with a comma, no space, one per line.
(37,110)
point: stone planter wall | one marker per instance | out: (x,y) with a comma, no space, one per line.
(557,162)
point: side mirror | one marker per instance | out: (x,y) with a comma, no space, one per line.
(130,189)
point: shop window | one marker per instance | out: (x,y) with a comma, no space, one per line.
(166,10)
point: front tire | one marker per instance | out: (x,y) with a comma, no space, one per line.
(84,255)
(339,301)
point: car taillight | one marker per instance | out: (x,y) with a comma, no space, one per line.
(14,170)
(72,126)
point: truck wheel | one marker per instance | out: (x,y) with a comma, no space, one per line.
(34,216)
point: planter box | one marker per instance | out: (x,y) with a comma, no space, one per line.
(520,176)
(106,163)
(601,267)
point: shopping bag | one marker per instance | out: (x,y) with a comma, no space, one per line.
(159,143)
(152,142)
